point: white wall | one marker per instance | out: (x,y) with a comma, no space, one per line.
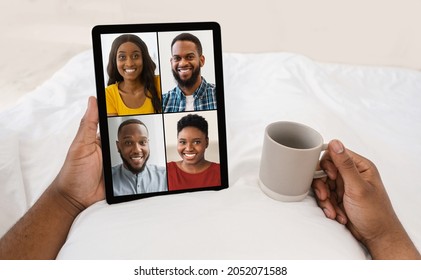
(38,37)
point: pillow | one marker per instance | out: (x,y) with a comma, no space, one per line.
(12,192)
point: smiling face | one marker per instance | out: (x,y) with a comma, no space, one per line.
(133,146)
(191,145)
(186,63)
(129,61)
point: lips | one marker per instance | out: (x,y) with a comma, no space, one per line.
(184,70)
(129,70)
(137,159)
(189,156)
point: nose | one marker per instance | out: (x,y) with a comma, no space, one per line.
(129,61)
(189,146)
(137,148)
(183,61)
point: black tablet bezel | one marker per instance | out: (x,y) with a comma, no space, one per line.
(97,31)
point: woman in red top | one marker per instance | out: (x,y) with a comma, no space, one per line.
(193,170)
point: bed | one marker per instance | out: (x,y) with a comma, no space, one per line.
(374,110)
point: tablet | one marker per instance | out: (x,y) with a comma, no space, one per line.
(160,95)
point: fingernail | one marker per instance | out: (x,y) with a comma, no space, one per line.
(341,219)
(88,105)
(317,193)
(330,174)
(337,146)
(327,212)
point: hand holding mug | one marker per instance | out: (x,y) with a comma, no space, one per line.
(353,194)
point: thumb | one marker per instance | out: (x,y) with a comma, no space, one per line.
(344,163)
(89,124)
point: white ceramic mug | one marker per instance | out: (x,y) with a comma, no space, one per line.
(290,155)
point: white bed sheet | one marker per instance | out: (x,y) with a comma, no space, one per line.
(373,110)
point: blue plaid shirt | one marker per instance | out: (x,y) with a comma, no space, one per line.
(204,98)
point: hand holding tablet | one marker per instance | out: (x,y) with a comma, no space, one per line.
(161,108)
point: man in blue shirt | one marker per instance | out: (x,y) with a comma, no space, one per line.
(134,176)
(192,92)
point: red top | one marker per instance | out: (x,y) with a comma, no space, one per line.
(181,180)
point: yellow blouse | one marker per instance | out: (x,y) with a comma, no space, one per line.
(115,104)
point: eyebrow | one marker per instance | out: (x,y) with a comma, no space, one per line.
(130,136)
(197,138)
(136,51)
(189,53)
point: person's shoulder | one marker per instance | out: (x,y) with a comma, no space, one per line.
(169,93)
(156,168)
(204,81)
(173,91)
(157,79)
(169,97)
(210,85)
(112,86)
(111,89)
(172,165)
(116,168)
(215,165)
(208,88)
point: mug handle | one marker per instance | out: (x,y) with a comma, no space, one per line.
(320,173)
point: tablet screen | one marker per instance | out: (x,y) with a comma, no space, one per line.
(161,108)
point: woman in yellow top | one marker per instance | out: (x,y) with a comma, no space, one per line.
(132,87)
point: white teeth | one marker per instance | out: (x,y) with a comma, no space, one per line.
(129,70)
(183,70)
(189,155)
(137,158)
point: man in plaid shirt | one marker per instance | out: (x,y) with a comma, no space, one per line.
(192,92)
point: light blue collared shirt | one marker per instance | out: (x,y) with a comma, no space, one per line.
(152,179)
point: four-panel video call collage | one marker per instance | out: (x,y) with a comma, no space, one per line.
(161,104)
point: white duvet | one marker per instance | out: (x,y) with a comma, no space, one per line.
(375,111)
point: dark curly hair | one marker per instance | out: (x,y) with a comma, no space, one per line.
(193,120)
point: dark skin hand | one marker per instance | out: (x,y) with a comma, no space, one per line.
(42,231)
(353,194)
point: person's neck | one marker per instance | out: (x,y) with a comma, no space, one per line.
(132,171)
(131,87)
(195,168)
(190,90)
